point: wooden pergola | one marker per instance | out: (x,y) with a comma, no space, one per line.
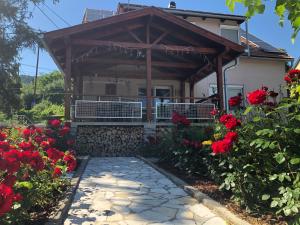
(173,47)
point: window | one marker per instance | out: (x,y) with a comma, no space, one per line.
(231,91)
(231,33)
(110,89)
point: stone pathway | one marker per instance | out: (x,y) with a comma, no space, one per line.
(126,191)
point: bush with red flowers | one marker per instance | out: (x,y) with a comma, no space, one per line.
(32,169)
(257,160)
(235,101)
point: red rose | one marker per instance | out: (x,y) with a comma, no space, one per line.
(39,130)
(36,161)
(71,162)
(55,154)
(224,118)
(54,123)
(49,132)
(6,199)
(3,136)
(26,146)
(51,141)
(64,131)
(235,101)
(28,132)
(4,145)
(180,119)
(222,146)
(232,136)
(57,172)
(257,97)
(232,123)
(38,139)
(18,197)
(10,180)
(67,124)
(214,112)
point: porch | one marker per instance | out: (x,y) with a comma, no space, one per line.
(139,66)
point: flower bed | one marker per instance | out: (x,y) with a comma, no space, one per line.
(33,162)
(252,154)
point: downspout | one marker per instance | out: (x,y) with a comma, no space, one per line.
(247,39)
(224,81)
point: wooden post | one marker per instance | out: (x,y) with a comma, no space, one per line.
(149,73)
(192,94)
(182,90)
(220,81)
(149,85)
(80,86)
(67,80)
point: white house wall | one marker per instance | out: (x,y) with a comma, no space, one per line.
(251,73)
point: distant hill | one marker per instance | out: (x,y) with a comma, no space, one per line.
(26,79)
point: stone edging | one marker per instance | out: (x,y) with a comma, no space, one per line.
(201,197)
(59,216)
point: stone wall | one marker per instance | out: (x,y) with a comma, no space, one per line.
(109,140)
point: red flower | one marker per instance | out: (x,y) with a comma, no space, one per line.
(232,123)
(10,180)
(54,123)
(38,139)
(4,145)
(287,79)
(257,97)
(26,146)
(222,146)
(67,124)
(49,132)
(51,141)
(36,161)
(18,197)
(45,145)
(235,101)
(64,131)
(3,136)
(180,119)
(6,199)
(214,112)
(28,132)
(224,118)
(71,162)
(55,154)
(57,172)
(232,136)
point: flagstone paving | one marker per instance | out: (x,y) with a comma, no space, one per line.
(126,191)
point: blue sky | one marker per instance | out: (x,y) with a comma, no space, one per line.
(263,26)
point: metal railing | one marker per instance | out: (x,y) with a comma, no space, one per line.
(86,109)
(193,111)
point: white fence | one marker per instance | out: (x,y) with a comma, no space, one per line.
(193,111)
(85,109)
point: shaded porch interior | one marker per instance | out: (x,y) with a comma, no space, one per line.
(144,59)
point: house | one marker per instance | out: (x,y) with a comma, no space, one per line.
(297,64)
(144,63)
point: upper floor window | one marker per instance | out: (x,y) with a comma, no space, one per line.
(230,32)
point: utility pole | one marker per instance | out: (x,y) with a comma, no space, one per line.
(36,75)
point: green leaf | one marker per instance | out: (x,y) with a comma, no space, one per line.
(295,161)
(256,119)
(249,109)
(297,131)
(25,184)
(273,177)
(265,197)
(280,158)
(274,204)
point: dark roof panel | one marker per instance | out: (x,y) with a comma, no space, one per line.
(182,12)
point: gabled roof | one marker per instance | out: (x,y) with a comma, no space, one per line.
(125,7)
(260,48)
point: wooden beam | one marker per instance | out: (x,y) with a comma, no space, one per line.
(135,37)
(67,81)
(220,81)
(162,36)
(167,48)
(197,76)
(192,91)
(139,62)
(182,90)
(149,72)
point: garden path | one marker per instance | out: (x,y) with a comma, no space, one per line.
(126,191)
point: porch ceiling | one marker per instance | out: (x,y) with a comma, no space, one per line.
(180,50)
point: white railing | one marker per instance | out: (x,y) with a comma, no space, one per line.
(193,111)
(85,109)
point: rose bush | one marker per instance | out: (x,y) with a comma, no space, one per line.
(32,165)
(260,166)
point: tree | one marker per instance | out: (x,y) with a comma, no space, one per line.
(50,87)
(15,34)
(289,9)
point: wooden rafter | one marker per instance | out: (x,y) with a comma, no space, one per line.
(166,48)
(140,62)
